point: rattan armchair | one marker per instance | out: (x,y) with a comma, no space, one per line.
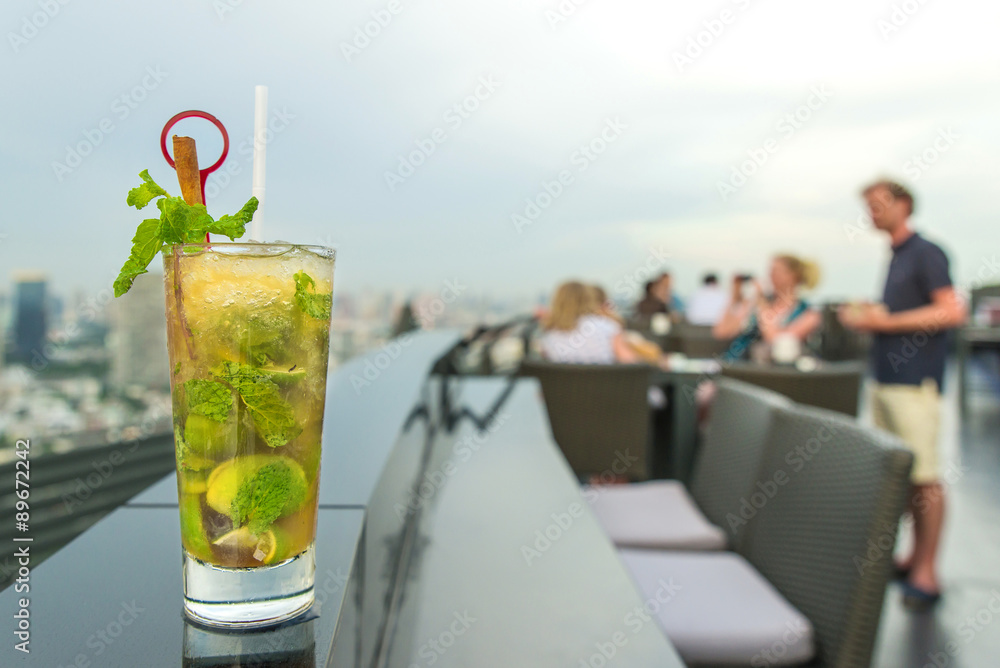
(599,413)
(835,386)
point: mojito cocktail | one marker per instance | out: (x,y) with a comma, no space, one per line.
(248,330)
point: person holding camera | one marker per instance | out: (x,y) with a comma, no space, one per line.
(756,317)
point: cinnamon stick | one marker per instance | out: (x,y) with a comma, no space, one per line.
(186,164)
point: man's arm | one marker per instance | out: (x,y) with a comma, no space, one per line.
(947,310)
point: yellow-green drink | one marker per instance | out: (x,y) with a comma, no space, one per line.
(248,328)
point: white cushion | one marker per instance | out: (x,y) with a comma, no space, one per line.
(657,514)
(716,609)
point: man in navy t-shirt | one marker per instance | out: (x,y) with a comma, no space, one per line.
(910,345)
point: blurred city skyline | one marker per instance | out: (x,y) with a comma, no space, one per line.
(81,370)
(509,147)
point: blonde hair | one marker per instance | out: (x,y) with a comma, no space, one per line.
(604,306)
(806,271)
(572,301)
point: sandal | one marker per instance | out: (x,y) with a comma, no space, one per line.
(917,599)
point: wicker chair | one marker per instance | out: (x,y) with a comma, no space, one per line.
(814,540)
(663,514)
(835,386)
(814,561)
(735,443)
(598,413)
(697,341)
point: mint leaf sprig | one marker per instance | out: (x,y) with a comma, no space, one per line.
(274,490)
(273,417)
(315,304)
(209,398)
(179,223)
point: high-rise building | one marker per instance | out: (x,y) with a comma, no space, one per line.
(29,315)
(138,336)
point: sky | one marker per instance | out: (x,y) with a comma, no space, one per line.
(505,147)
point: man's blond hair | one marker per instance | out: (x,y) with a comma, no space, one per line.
(897,190)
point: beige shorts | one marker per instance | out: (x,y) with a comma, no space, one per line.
(912,412)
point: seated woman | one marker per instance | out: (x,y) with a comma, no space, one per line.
(577,332)
(761,318)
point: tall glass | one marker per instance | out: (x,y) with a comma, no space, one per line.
(248,329)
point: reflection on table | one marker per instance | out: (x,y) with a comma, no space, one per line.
(291,645)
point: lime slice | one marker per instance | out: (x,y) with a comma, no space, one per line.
(192,483)
(192,528)
(225,480)
(207,438)
(262,548)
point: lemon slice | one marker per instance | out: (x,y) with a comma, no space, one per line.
(263,548)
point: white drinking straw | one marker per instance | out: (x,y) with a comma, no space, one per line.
(259,157)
